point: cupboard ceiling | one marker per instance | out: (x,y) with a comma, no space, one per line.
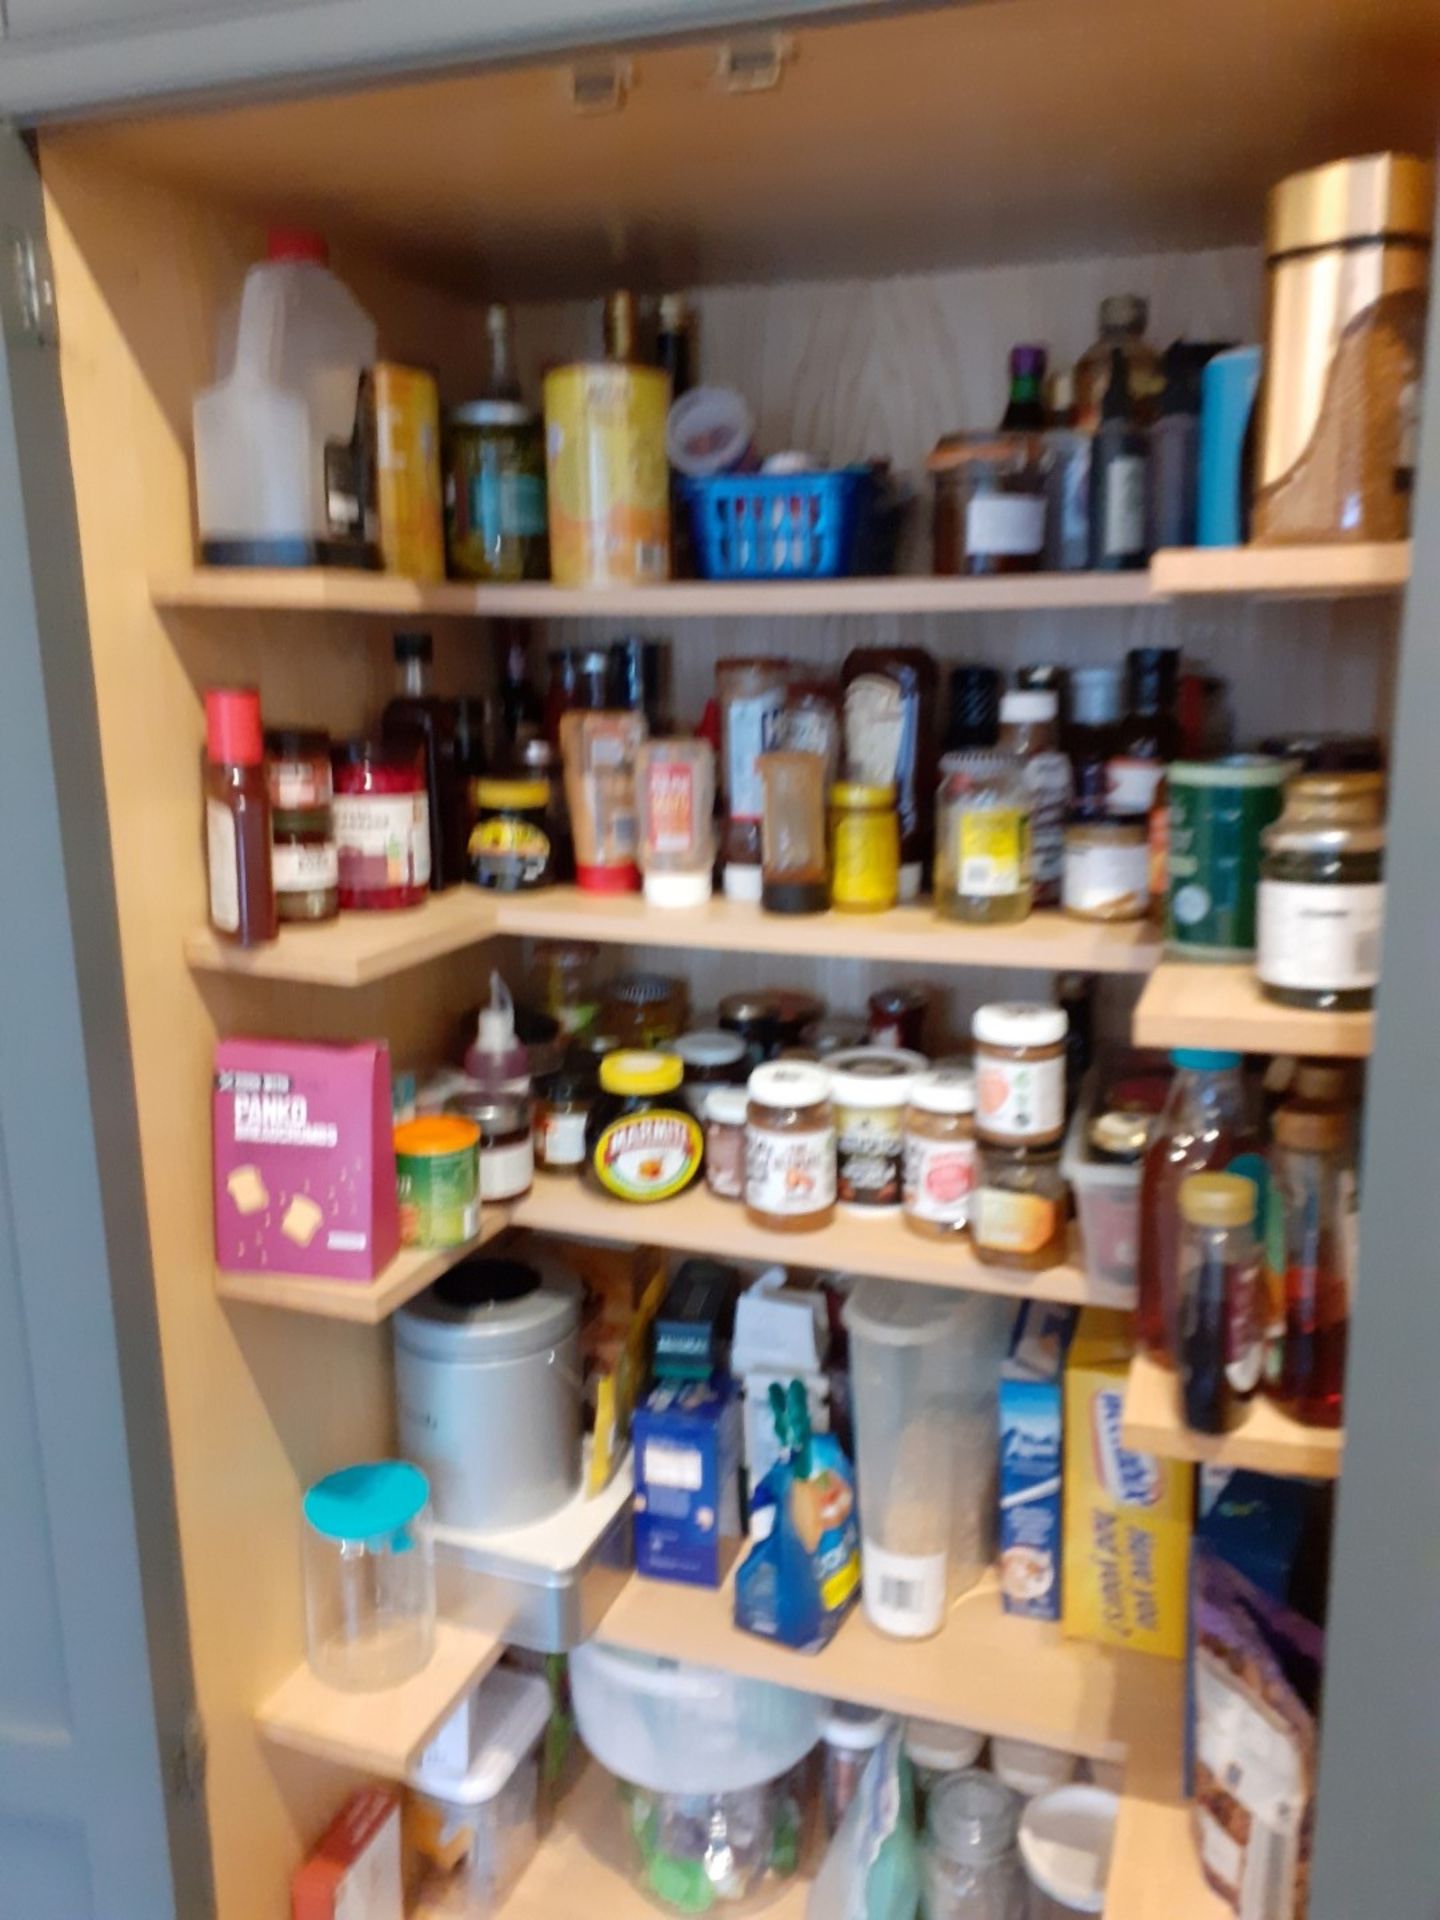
(1005,130)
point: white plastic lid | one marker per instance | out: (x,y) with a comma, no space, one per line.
(726,1106)
(708,1047)
(678,889)
(874,1076)
(1019,1023)
(1030,1768)
(1065,1842)
(1027,704)
(946,1090)
(509,1718)
(857,1729)
(708,431)
(743,883)
(930,1743)
(789,1083)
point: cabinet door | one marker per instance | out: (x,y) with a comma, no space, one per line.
(99,1771)
(60,56)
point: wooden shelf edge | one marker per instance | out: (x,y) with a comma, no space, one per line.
(1333,571)
(1268,1441)
(363,1302)
(357,949)
(1188,1003)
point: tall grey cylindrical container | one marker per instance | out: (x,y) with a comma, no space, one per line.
(488,1389)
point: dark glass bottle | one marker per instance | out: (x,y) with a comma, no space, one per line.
(237,818)
(621,326)
(675,343)
(521,711)
(418,716)
(1148,738)
(1091,740)
(638,679)
(1119,468)
(974,708)
(1025,412)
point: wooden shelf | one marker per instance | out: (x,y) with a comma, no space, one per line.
(358,948)
(1154,1865)
(1188,1004)
(985,1669)
(696,1222)
(367,1302)
(1288,573)
(382,1732)
(1269,1440)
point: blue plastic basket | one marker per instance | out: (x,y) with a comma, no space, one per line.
(777,526)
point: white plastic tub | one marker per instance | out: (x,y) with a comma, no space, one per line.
(1065,1843)
(1107,1199)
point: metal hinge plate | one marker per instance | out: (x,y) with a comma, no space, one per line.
(30,305)
(755,63)
(601,85)
(190,1760)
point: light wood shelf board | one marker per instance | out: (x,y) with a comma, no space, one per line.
(381,1732)
(1268,1440)
(1187,1004)
(1292,573)
(696,1222)
(367,1302)
(1155,1865)
(358,948)
(985,1669)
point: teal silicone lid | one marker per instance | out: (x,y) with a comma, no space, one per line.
(365,1502)
(1203,1060)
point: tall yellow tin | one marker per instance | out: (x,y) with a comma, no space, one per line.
(609,482)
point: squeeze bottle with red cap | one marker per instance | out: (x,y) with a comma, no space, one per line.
(237,818)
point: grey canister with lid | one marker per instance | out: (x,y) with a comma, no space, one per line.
(488,1388)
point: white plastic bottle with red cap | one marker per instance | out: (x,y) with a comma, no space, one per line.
(278,470)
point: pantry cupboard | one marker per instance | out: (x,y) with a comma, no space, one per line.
(864,238)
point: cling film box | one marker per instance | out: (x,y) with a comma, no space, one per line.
(1127,1515)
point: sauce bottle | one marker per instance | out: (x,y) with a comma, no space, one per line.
(497,1060)
(237,818)
(1309,1167)
(1119,477)
(889,728)
(418,717)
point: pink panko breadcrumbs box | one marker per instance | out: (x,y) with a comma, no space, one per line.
(304,1159)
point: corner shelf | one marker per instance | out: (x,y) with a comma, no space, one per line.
(1189,1004)
(357,949)
(1267,1440)
(364,1302)
(385,1731)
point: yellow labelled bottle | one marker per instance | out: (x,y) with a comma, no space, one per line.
(982,840)
(864,847)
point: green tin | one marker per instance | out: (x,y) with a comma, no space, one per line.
(1218,810)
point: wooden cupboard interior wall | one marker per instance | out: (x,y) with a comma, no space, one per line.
(262,1402)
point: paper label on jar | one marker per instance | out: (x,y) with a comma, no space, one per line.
(299,867)
(1046,777)
(1131,785)
(1004,523)
(1321,937)
(992,851)
(789,1172)
(297,784)
(670,806)
(751,728)
(562,1140)
(904,1592)
(224,867)
(507,1171)
(1104,878)
(1019,1100)
(383,840)
(1012,1222)
(939,1179)
(1123,526)
(870,1149)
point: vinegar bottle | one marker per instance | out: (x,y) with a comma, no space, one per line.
(1309,1167)
(237,818)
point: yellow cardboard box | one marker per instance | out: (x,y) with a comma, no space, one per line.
(1127,1515)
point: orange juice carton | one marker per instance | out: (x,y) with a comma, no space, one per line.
(1127,1515)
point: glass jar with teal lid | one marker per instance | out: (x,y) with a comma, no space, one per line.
(1218,811)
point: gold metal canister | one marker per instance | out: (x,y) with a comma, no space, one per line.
(609,479)
(1348,258)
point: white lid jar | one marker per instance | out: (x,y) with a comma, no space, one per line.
(790,1147)
(1019,1073)
(871,1087)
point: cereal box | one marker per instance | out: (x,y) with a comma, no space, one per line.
(1127,1515)
(304,1159)
(1031,1430)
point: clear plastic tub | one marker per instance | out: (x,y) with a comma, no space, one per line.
(1107,1199)
(369,1560)
(476,1834)
(716,1852)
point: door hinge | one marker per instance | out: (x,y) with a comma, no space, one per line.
(601,85)
(755,63)
(190,1760)
(32,287)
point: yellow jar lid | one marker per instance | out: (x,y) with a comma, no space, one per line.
(505,794)
(436,1133)
(860,793)
(635,1071)
(1218,1199)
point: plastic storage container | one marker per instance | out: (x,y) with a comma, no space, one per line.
(971,1867)
(936,1750)
(277,469)
(1028,1768)
(369,1575)
(1065,1843)
(924,1371)
(1107,1199)
(476,1834)
(770,526)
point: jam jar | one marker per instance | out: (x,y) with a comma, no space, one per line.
(382,825)
(871,1089)
(725,1113)
(644,1009)
(641,1141)
(1019,1074)
(563,1101)
(711,1058)
(304,865)
(790,1147)
(297,761)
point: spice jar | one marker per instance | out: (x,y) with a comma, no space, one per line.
(940,1153)
(1017,1211)
(752,694)
(711,1058)
(897,1017)
(304,865)
(1107,867)
(495,518)
(569,992)
(769,1023)
(871,1088)
(644,1009)
(1219,1349)
(641,1143)
(510,848)
(297,761)
(1322,893)
(982,840)
(795,874)
(790,1148)
(1019,1073)
(989,503)
(675,798)
(382,824)
(563,1100)
(507,1141)
(725,1111)
(864,847)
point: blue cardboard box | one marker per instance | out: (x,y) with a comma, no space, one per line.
(1032,1438)
(686,1445)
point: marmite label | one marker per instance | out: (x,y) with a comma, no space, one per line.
(648,1156)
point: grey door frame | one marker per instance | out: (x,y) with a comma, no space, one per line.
(69,1137)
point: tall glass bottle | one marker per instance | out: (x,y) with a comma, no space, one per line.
(419,716)
(1123,319)
(1200,1130)
(1119,479)
(1309,1165)
(1148,738)
(521,708)
(621,326)
(502,381)
(1025,412)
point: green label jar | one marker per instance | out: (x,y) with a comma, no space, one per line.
(1218,811)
